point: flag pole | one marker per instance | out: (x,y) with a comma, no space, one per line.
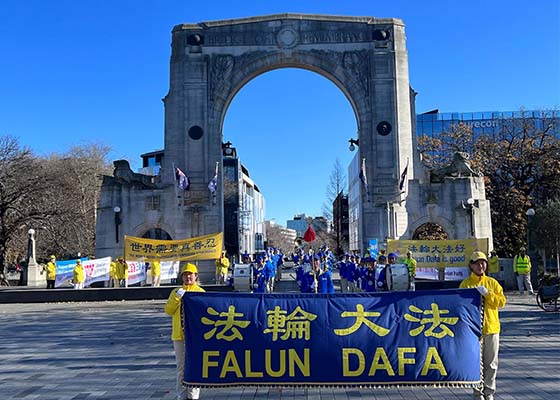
(175,181)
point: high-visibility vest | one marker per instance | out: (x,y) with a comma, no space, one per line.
(522,264)
(411,264)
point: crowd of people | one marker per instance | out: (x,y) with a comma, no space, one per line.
(314,271)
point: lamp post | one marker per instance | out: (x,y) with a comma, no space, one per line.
(352,143)
(470,205)
(117,211)
(530,213)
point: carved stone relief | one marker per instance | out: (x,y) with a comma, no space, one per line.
(356,67)
(220,74)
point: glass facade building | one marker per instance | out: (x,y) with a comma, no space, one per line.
(487,122)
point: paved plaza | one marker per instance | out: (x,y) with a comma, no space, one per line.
(122,351)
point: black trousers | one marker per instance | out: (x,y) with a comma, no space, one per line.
(50,284)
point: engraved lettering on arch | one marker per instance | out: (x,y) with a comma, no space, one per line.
(356,66)
(222,68)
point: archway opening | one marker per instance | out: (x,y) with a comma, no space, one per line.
(156,233)
(289,127)
(430,231)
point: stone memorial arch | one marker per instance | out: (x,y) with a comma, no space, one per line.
(365,57)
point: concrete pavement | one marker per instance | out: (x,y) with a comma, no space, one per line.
(121,351)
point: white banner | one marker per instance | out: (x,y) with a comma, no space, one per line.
(451,273)
(169,270)
(96,270)
(136,272)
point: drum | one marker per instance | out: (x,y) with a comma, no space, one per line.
(397,279)
(242,277)
(400,279)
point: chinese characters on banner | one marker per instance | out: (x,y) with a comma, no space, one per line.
(431,255)
(198,248)
(413,338)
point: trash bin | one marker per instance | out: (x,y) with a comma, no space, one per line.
(242,277)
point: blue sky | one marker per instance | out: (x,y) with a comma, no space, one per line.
(76,72)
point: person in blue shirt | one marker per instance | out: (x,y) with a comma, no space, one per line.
(259,280)
(325,283)
(315,280)
(368,274)
(343,272)
(269,273)
(383,275)
(309,282)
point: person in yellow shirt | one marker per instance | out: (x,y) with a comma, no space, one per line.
(494,299)
(155,269)
(79,275)
(51,272)
(493,264)
(113,281)
(173,308)
(222,266)
(122,272)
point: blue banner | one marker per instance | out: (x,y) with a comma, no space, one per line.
(306,340)
(65,271)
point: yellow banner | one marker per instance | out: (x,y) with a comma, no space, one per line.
(199,248)
(438,253)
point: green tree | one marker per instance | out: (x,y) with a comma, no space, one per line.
(545,228)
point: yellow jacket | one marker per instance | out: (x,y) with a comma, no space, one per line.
(222,265)
(156,268)
(494,299)
(51,271)
(113,269)
(493,265)
(79,275)
(121,271)
(173,308)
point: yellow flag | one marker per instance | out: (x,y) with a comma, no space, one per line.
(438,253)
(198,248)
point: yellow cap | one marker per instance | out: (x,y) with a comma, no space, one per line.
(53,257)
(190,268)
(78,261)
(478,255)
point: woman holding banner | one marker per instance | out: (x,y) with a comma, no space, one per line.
(494,298)
(78,276)
(173,307)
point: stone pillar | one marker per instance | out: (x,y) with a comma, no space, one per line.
(34,274)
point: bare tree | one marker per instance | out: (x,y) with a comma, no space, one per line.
(70,229)
(276,237)
(23,183)
(337,184)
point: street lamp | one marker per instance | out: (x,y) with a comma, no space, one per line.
(352,143)
(470,207)
(117,211)
(530,213)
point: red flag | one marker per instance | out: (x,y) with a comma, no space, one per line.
(309,235)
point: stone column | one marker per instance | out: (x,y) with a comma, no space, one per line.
(34,274)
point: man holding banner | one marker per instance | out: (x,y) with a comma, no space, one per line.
(494,298)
